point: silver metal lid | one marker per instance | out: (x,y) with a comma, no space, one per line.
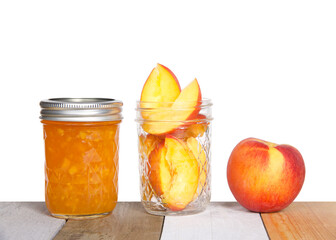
(81,109)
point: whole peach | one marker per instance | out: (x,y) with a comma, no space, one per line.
(263,176)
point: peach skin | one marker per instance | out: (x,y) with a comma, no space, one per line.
(263,176)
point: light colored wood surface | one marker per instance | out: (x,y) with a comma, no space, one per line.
(27,220)
(219,221)
(128,221)
(303,220)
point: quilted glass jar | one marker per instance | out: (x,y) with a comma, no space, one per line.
(174,156)
(81,137)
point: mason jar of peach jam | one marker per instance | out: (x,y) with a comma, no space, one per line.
(81,137)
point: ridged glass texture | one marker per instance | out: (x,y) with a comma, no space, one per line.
(81,168)
(174,167)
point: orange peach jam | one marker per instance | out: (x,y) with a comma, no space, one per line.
(81,168)
(81,137)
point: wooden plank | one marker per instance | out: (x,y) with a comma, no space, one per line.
(315,220)
(219,221)
(27,220)
(127,221)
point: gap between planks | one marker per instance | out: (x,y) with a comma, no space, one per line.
(264,226)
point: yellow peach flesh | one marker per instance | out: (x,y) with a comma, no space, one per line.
(161,86)
(174,173)
(199,153)
(184,108)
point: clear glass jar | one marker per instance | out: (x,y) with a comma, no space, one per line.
(174,156)
(81,139)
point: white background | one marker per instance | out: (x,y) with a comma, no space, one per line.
(268,66)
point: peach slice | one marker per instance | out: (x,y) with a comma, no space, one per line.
(147,143)
(184,108)
(174,173)
(197,129)
(159,175)
(161,86)
(199,153)
(193,129)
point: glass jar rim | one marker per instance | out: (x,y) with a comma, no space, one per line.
(205,102)
(154,111)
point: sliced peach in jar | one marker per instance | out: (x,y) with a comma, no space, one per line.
(159,174)
(147,143)
(174,173)
(198,128)
(195,128)
(160,87)
(185,180)
(199,153)
(185,107)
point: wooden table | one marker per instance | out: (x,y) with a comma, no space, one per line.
(221,220)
